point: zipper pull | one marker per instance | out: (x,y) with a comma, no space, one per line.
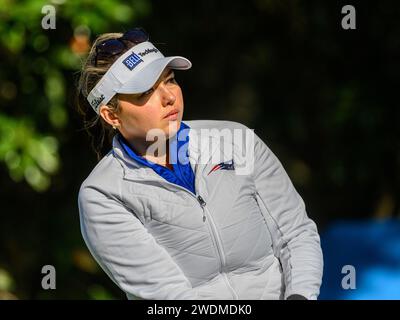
(203,204)
(201,200)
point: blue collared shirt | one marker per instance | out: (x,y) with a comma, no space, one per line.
(182,174)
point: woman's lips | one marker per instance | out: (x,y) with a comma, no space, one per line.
(172,115)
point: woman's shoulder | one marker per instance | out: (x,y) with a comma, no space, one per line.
(237,132)
(214,124)
(106,176)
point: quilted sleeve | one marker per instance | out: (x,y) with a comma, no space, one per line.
(127,252)
(295,235)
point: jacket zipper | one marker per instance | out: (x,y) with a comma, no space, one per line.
(217,239)
(198,197)
(221,253)
(214,233)
(202,204)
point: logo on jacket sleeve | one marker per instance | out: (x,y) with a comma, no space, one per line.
(227,165)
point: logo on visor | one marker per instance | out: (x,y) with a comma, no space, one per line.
(147,51)
(96,101)
(132,61)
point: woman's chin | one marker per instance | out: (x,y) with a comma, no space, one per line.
(172,127)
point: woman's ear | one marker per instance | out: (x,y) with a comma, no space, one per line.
(109,116)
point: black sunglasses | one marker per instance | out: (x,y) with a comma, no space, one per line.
(115,46)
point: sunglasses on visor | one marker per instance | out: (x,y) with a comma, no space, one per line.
(110,47)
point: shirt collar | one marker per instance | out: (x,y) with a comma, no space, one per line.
(176,142)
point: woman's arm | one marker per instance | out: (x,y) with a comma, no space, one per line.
(127,252)
(295,236)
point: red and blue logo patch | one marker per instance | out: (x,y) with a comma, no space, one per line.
(227,165)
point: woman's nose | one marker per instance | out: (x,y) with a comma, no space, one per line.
(168,98)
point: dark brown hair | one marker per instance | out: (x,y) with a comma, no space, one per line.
(97,129)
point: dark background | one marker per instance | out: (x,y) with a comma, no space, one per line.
(322,98)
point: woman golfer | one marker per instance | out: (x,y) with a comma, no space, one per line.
(179,209)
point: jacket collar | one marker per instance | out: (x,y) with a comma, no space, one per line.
(198,152)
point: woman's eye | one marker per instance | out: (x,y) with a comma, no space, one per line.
(171,80)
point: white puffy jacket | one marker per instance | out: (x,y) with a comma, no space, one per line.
(241,236)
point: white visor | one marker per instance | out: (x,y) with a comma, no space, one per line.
(136,71)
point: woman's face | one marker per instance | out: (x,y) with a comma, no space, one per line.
(140,113)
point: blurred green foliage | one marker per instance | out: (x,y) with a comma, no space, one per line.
(37,94)
(324,99)
(33,90)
